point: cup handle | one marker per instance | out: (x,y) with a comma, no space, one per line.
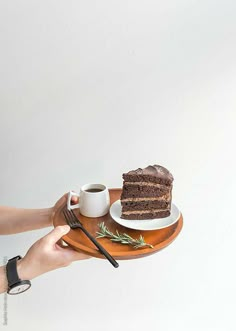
(70,195)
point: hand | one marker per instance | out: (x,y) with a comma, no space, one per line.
(63,199)
(46,255)
(60,202)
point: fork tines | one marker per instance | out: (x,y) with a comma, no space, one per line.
(71,218)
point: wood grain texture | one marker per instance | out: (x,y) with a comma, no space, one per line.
(77,239)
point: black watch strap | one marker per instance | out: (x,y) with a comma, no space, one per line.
(11,269)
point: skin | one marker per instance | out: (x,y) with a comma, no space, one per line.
(46,254)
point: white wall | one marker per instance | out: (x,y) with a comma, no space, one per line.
(90,89)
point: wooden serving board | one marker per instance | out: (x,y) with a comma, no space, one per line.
(77,239)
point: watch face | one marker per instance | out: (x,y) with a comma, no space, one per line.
(19,288)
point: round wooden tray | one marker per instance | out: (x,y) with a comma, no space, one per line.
(77,239)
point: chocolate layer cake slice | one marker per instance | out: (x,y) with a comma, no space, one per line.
(146,193)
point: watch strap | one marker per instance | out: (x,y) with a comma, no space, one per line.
(11,269)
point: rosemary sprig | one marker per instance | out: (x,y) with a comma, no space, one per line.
(123,238)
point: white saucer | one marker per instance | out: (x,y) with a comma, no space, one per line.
(154,224)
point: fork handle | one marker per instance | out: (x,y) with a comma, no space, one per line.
(101,248)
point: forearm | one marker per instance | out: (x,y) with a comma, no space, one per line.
(14,220)
(3,279)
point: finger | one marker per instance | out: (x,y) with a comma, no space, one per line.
(74,199)
(80,256)
(75,255)
(57,233)
(64,197)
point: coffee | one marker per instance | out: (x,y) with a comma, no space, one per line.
(94,190)
(94,200)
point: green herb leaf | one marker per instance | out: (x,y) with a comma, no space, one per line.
(123,238)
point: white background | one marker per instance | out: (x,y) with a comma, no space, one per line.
(91,89)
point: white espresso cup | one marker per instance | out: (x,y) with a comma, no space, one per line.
(94,200)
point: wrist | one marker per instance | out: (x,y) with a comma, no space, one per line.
(23,270)
(16,285)
(47,213)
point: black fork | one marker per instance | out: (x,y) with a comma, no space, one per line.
(74,223)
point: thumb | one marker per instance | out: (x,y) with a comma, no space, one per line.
(57,233)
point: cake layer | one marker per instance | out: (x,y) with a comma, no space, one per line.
(153,174)
(145,205)
(163,197)
(157,185)
(140,190)
(146,215)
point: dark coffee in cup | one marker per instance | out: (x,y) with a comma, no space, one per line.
(94,190)
(91,205)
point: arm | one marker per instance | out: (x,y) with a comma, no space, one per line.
(44,256)
(14,220)
(3,279)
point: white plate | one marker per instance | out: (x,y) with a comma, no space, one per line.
(154,224)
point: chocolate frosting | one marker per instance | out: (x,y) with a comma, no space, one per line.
(155,170)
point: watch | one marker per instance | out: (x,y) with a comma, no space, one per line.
(15,284)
